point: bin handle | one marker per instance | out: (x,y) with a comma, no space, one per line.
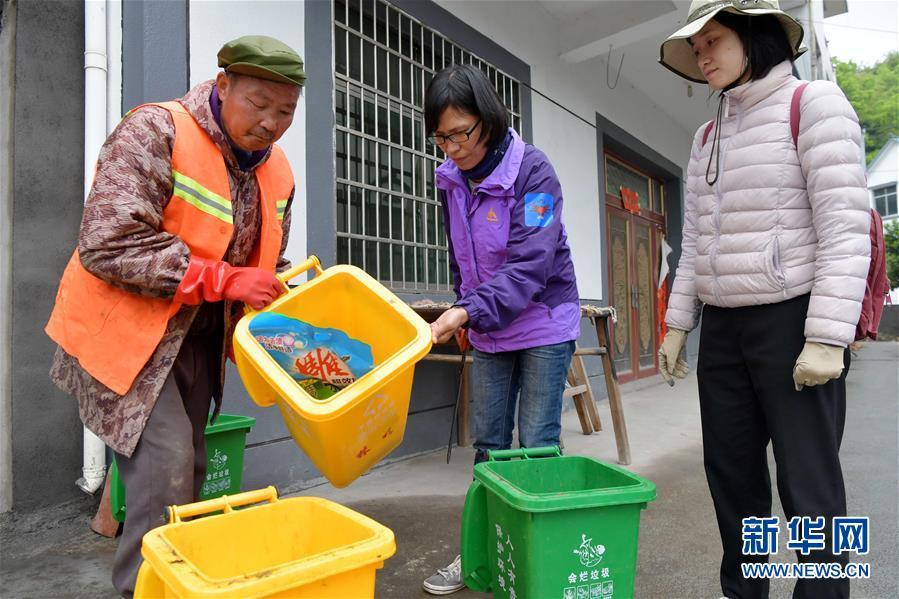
(524,452)
(225,503)
(312,262)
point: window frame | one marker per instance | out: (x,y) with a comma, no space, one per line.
(653,183)
(889,193)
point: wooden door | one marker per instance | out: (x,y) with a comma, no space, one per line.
(634,230)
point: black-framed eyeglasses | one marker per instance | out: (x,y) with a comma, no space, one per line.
(456,138)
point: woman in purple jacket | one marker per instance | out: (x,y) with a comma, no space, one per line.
(512,271)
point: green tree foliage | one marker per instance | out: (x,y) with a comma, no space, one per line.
(874,93)
(891,240)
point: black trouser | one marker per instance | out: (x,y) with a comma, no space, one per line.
(169,463)
(747,398)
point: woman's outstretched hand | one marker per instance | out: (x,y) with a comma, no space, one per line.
(449,322)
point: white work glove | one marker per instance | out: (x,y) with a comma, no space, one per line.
(817,364)
(671,364)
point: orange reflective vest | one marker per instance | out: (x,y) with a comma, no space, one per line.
(113,332)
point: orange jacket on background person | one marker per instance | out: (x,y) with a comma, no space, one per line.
(113,332)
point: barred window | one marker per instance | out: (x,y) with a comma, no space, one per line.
(389,220)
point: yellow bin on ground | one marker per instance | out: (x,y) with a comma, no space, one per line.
(347,433)
(301,547)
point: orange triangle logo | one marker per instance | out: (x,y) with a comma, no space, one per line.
(491,216)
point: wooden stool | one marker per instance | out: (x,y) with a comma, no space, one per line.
(582,395)
(599,316)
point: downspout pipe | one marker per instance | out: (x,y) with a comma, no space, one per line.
(94,463)
(813,43)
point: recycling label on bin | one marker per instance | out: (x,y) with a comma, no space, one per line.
(218,474)
(588,579)
(505,562)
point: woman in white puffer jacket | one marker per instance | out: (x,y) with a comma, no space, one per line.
(775,254)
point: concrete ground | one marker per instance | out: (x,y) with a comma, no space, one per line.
(53,553)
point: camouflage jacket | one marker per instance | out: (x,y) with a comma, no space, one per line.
(122,242)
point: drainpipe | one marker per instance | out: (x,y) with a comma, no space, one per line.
(7,135)
(94,464)
(813,42)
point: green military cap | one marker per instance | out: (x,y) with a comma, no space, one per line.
(263,57)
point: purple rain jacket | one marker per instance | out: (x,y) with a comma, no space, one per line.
(509,255)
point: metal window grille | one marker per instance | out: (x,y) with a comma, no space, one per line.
(389,221)
(885,201)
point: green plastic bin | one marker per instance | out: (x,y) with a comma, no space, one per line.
(225,443)
(560,527)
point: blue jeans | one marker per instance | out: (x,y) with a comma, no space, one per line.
(534,377)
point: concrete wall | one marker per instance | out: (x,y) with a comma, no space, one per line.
(7,66)
(154,52)
(214,23)
(47,182)
(114,107)
(45,158)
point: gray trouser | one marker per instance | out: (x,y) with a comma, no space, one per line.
(169,464)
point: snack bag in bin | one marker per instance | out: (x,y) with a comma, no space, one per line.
(322,361)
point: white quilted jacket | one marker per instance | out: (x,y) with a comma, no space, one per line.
(781,220)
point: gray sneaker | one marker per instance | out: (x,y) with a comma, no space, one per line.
(446,580)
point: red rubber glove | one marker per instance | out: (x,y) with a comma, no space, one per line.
(213,281)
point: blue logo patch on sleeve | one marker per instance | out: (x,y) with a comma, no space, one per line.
(538,209)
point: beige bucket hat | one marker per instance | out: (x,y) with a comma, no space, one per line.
(676,53)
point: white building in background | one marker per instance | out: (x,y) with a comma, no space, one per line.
(883,173)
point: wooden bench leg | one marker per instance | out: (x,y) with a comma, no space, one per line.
(464,438)
(586,426)
(577,365)
(615,406)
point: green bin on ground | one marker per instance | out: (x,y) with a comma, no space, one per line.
(558,527)
(225,444)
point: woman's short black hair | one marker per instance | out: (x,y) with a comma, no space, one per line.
(469,90)
(764,40)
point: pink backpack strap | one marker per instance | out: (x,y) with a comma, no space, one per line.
(705,134)
(794,111)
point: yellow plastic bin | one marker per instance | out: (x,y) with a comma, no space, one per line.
(296,547)
(347,433)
